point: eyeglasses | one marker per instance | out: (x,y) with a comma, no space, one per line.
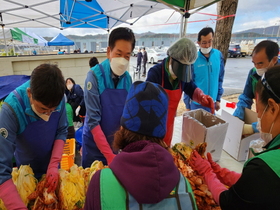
(268,88)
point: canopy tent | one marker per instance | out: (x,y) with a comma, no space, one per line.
(103,14)
(184,7)
(60,40)
(17,35)
(41,40)
(11,82)
(21,36)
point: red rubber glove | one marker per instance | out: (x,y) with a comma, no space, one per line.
(52,172)
(10,196)
(102,144)
(204,100)
(204,169)
(226,176)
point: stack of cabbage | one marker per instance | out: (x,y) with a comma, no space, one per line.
(70,192)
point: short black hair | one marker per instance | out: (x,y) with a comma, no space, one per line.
(272,77)
(121,33)
(271,48)
(47,85)
(93,61)
(204,32)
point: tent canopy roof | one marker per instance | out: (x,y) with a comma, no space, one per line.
(60,40)
(103,14)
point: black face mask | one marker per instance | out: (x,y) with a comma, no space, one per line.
(182,71)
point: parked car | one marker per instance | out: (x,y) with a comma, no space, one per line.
(155,56)
(234,50)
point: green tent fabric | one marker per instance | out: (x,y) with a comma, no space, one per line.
(19,35)
(188,4)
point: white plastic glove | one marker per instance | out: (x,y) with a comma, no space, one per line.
(77,110)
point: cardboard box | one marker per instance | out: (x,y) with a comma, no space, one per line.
(201,126)
(234,144)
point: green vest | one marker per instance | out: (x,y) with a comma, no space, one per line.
(271,156)
(114,196)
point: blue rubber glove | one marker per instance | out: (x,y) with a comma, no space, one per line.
(254,125)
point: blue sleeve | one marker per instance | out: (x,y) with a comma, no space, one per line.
(62,128)
(187,101)
(221,79)
(92,100)
(8,132)
(155,74)
(188,88)
(245,100)
(79,91)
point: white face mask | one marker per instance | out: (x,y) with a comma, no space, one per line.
(119,65)
(267,137)
(42,116)
(205,51)
(69,86)
(261,71)
(171,71)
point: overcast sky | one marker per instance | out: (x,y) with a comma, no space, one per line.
(250,14)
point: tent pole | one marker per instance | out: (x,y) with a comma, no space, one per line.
(181,27)
(4,39)
(13,48)
(184,32)
(1,22)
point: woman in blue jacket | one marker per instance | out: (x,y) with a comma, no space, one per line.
(75,97)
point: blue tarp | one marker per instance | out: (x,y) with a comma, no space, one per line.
(82,15)
(11,82)
(60,40)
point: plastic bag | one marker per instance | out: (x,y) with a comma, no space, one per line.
(257,145)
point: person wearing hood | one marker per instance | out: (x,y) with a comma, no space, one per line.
(264,55)
(207,71)
(143,173)
(33,129)
(75,97)
(174,75)
(106,88)
(258,186)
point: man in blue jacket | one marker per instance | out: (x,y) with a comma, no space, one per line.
(106,88)
(264,56)
(207,71)
(33,128)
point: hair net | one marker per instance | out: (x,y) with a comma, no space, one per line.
(183,50)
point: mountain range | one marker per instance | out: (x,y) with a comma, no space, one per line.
(271,31)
